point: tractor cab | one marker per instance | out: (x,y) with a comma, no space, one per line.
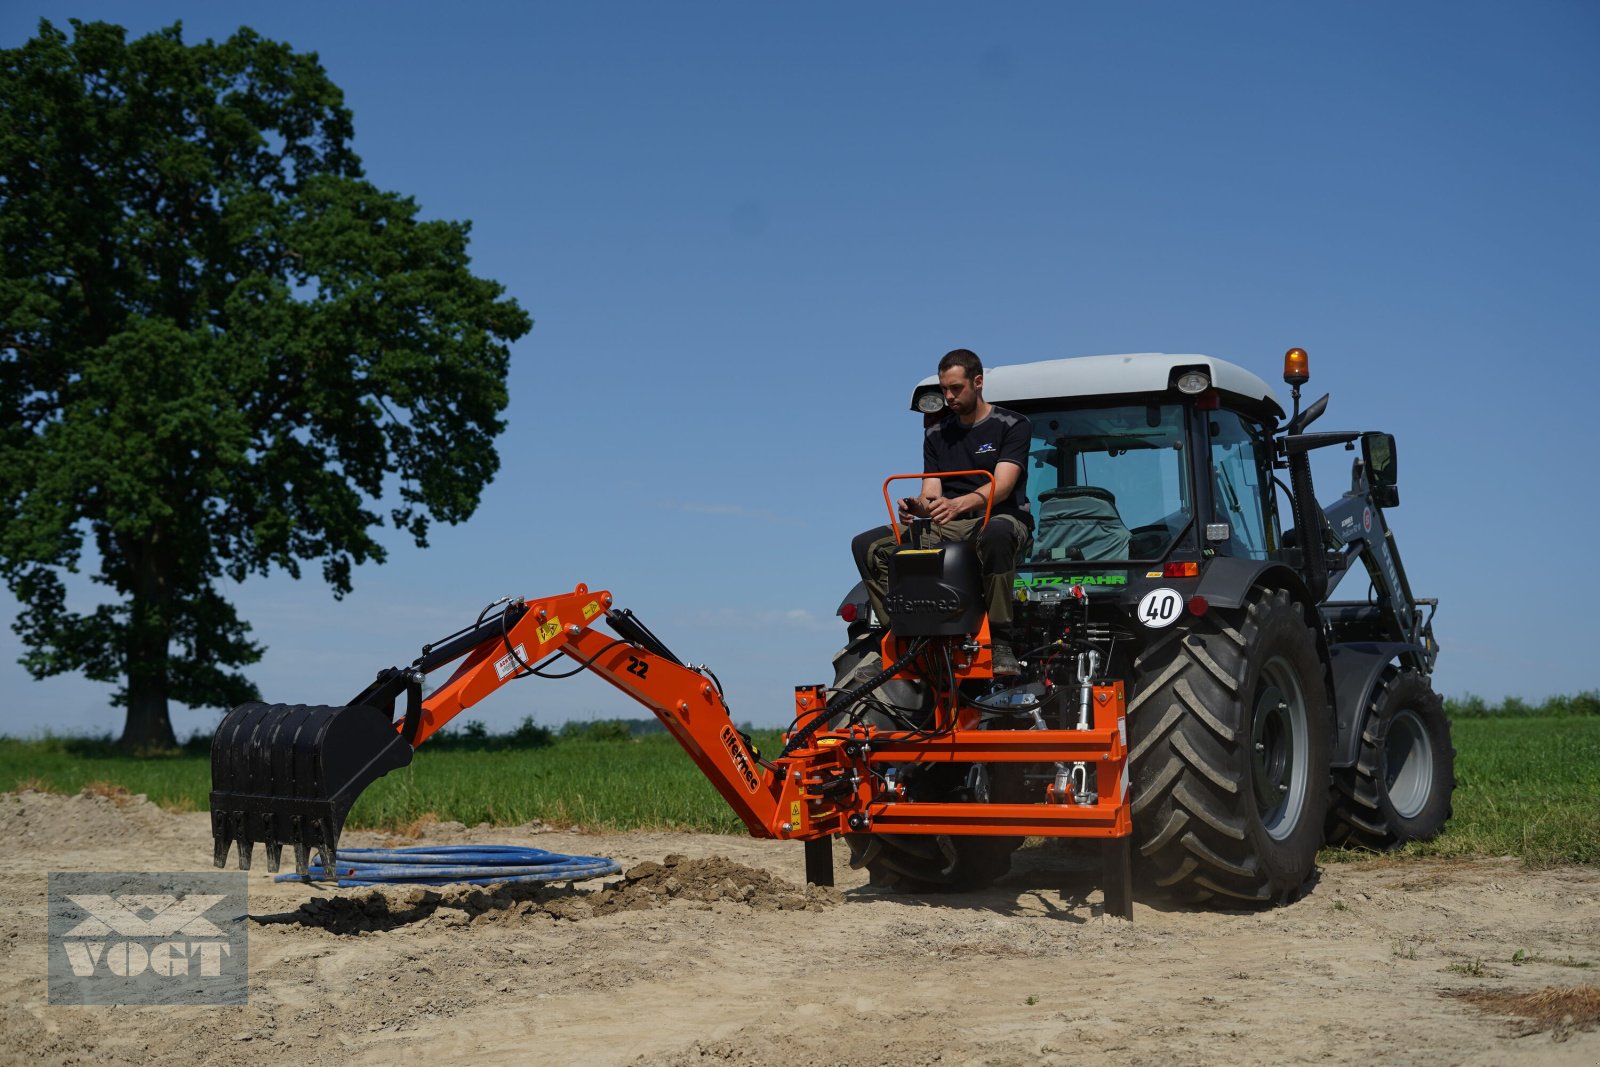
(1143,468)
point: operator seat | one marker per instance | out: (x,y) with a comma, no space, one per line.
(1080,522)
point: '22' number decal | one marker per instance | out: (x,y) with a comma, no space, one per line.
(638,667)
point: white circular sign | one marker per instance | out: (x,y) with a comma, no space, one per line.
(1160,607)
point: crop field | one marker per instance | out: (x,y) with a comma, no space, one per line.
(1526,785)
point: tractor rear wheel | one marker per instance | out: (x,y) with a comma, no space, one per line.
(1400,788)
(1229,731)
(923,862)
(930,862)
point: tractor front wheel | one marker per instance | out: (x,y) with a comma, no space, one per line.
(1400,788)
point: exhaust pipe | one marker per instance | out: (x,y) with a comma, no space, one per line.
(288,774)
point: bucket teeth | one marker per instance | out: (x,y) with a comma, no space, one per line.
(288,774)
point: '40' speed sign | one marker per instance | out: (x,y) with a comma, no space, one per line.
(1160,607)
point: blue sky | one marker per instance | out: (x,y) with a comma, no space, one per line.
(744,231)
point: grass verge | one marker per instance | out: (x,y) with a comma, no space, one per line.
(1526,786)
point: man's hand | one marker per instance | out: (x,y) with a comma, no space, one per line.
(942,510)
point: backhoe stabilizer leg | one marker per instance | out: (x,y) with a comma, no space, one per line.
(1116,864)
(819,861)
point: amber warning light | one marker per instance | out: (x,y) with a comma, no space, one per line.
(1296,367)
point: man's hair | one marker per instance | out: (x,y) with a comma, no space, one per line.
(966,359)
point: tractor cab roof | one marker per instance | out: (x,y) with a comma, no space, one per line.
(1092,376)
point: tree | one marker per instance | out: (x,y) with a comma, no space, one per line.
(221,349)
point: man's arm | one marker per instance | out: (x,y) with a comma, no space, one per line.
(973,503)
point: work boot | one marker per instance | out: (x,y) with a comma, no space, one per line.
(1005,663)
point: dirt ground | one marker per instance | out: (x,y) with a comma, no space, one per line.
(713,953)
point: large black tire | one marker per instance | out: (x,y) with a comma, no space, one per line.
(1400,788)
(928,862)
(1230,733)
(917,863)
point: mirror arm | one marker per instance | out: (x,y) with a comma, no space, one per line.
(1297,444)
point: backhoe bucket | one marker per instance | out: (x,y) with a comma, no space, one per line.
(288,774)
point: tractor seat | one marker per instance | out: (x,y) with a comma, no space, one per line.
(1080,522)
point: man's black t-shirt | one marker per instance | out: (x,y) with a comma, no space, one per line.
(947,445)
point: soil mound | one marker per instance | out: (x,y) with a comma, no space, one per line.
(697,883)
(94,818)
(707,881)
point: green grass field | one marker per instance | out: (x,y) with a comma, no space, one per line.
(1527,786)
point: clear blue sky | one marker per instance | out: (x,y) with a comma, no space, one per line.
(745,230)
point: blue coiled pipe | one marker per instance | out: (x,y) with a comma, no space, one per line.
(455,864)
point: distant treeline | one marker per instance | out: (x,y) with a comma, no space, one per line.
(528,734)
(474,736)
(1475,707)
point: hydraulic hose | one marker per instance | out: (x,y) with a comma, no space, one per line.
(843,701)
(451,864)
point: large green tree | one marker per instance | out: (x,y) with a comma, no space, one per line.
(221,351)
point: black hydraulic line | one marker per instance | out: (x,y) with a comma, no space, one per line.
(842,701)
(465,640)
(538,671)
(413,707)
(1308,520)
(629,625)
(393,681)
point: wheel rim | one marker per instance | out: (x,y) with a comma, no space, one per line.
(1279,736)
(1407,764)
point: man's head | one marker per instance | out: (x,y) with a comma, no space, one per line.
(961,380)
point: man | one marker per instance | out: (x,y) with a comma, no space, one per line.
(973,435)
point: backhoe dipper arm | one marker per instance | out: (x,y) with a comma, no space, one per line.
(289,774)
(686,702)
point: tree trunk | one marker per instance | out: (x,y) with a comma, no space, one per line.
(148,725)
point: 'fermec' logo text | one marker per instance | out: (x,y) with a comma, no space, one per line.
(911,605)
(741,759)
(138,938)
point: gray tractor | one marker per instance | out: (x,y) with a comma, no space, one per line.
(1265,717)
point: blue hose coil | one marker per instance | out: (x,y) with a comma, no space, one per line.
(456,864)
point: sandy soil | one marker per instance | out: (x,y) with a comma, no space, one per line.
(720,957)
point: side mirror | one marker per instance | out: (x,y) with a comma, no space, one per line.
(1382,464)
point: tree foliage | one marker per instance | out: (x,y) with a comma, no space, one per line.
(222,350)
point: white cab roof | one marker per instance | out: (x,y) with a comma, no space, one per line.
(1138,372)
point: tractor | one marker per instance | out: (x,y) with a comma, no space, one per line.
(1264,717)
(1192,698)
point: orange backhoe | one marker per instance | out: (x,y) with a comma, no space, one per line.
(851,761)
